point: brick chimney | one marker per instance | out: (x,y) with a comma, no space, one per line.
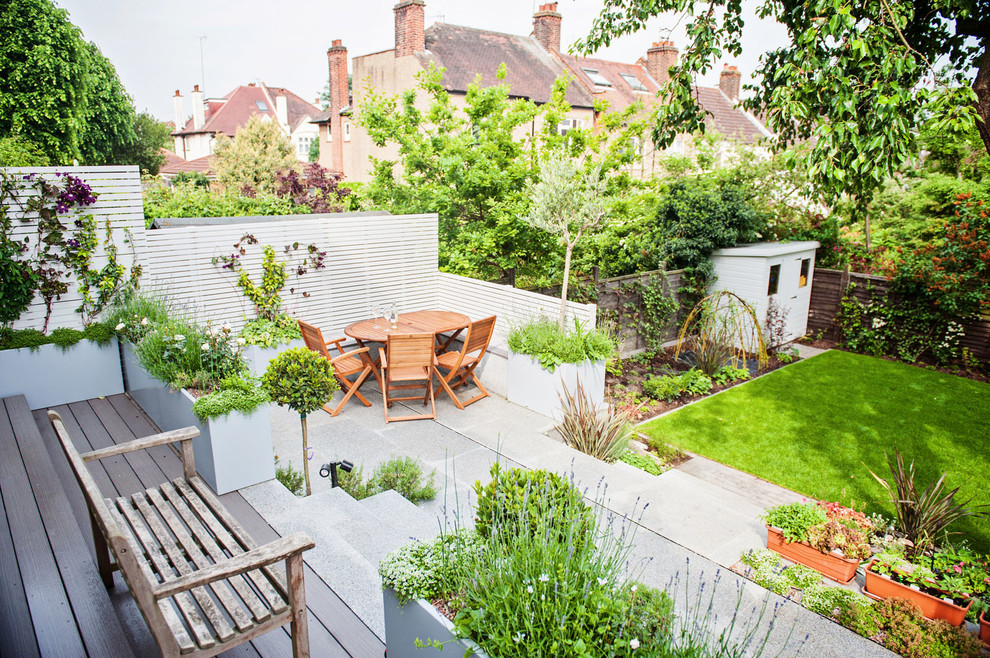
(199,115)
(409,27)
(546,26)
(339,99)
(659,59)
(180,111)
(728,82)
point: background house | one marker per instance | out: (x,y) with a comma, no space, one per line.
(197,136)
(532,64)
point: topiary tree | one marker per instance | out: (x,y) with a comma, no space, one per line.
(302,380)
(254,157)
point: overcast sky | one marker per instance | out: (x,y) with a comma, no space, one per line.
(155,44)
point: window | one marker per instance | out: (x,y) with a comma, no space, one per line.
(568,125)
(805,270)
(261,105)
(347,132)
(304,145)
(774,280)
(633,81)
(596,77)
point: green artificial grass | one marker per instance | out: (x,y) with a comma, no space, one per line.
(816,426)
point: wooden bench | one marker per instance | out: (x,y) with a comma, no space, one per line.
(201,583)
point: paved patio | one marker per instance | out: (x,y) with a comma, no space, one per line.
(692,521)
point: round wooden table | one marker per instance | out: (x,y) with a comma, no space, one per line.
(376,330)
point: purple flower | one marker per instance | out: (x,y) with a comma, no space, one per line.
(62,208)
(72,243)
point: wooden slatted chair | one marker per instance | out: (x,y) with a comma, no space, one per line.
(460,364)
(345,364)
(408,362)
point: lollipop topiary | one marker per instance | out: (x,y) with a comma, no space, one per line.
(302,380)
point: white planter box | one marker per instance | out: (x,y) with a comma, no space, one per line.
(257,357)
(535,388)
(231,452)
(418,620)
(48,376)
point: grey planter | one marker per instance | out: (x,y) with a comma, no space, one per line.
(232,452)
(418,620)
(48,376)
(533,387)
(257,357)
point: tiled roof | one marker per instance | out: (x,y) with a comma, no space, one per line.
(225,115)
(170,158)
(620,94)
(465,52)
(729,121)
(201,165)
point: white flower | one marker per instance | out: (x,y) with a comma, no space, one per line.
(519,637)
(179,337)
(634,588)
(205,346)
(529,588)
(602,581)
(241,341)
(544,577)
(144,322)
(119,327)
(634,643)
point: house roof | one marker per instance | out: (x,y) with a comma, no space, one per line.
(466,52)
(225,115)
(730,121)
(201,165)
(170,158)
(621,93)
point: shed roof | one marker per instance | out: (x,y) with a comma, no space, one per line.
(768,249)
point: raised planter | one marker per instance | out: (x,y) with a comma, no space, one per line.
(231,452)
(257,357)
(833,565)
(985,628)
(49,376)
(533,387)
(880,587)
(419,621)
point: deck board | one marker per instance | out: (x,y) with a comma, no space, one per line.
(334,628)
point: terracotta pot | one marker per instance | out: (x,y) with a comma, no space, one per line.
(880,587)
(832,565)
(985,628)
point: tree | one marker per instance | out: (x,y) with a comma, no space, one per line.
(567,202)
(19,152)
(145,151)
(108,119)
(254,157)
(854,77)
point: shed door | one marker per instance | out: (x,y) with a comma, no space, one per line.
(799,274)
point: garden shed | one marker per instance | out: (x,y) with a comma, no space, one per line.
(762,271)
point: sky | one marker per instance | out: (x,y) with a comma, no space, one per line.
(155,45)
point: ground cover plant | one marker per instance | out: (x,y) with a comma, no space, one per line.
(817,426)
(403,475)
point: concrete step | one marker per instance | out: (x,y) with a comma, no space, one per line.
(405,521)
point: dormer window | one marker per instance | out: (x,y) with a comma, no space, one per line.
(261,105)
(596,77)
(633,82)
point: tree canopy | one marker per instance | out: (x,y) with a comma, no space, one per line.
(857,76)
(59,91)
(254,157)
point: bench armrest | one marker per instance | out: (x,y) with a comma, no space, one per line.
(262,556)
(182,434)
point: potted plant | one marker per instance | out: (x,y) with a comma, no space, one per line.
(941,584)
(545,361)
(984,620)
(827,537)
(302,380)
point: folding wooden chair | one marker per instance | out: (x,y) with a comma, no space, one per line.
(356,362)
(461,363)
(409,360)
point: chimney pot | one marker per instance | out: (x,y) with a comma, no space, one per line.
(546,26)
(410,35)
(336,42)
(199,118)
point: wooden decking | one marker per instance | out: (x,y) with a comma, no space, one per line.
(52,602)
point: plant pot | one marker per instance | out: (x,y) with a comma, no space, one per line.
(418,620)
(832,565)
(232,452)
(49,376)
(533,387)
(880,587)
(258,357)
(985,628)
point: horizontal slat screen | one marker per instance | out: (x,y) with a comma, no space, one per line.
(119,201)
(479,299)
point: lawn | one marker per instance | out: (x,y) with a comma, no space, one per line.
(816,426)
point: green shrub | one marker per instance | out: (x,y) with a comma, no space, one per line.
(696,382)
(795,519)
(517,501)
(354,483)
(728,374)
(665,387)
(428,570)
(240,393)
(544,340)
(270,333)
(405,476)
(290,478)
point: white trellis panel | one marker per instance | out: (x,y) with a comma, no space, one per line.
(119,202)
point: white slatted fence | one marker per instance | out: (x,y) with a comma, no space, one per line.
(119,201)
